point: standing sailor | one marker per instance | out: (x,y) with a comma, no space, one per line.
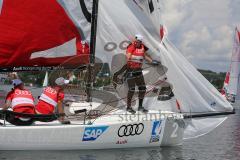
(136,53)
(51,100)
(21,101)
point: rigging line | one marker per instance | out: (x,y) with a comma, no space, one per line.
(107,103)
(157,83)
(145,93)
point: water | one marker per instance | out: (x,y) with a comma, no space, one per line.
(221,144)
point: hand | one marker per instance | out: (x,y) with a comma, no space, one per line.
(117,80)
(155,62)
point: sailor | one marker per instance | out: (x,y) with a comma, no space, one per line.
(136,54)
(51,100)
(83,51)
(21,101)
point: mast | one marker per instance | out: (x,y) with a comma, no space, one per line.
(92,48)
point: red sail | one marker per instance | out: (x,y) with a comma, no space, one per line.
(29,26)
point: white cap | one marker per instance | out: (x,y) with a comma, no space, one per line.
(61,81)
(139,37)
(16,82)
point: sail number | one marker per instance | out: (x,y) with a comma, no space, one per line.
(174,133)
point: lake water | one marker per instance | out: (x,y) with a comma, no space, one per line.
(221,144)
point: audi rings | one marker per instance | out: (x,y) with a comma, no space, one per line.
(130,130)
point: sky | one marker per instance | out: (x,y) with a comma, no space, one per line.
(203,30)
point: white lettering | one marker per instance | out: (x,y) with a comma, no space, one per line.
(50,90)
(174,134)
(93,134)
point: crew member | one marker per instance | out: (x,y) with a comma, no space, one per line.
(51,100)
(21,101)
(136,54)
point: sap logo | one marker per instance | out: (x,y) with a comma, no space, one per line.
(92,133)
(156,131)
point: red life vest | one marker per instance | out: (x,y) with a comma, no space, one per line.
(50,96)
(137,56)
(22,98)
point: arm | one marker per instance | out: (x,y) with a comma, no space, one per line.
(129,54)
(6,105)
(60,110)
(129,51)
(147,57)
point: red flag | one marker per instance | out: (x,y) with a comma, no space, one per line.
(178,105)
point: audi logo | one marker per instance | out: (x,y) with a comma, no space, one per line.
(130,130)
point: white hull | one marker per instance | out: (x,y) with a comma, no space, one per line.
(106,132)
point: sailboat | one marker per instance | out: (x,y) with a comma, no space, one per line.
(231,84)
(110,27)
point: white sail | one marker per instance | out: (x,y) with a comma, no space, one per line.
(118,23)
(234,79)
(45,81)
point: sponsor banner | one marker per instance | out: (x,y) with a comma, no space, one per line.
(130,130)
(156,131)
(92,133)
(37,68)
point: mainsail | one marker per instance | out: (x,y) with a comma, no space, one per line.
(117,25)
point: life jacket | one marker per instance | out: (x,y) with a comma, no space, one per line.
(50,96)
(22,98)
(135,61)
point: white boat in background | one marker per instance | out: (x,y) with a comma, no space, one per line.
(231,87)
(63,25)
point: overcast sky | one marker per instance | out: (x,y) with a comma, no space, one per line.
(203,30)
